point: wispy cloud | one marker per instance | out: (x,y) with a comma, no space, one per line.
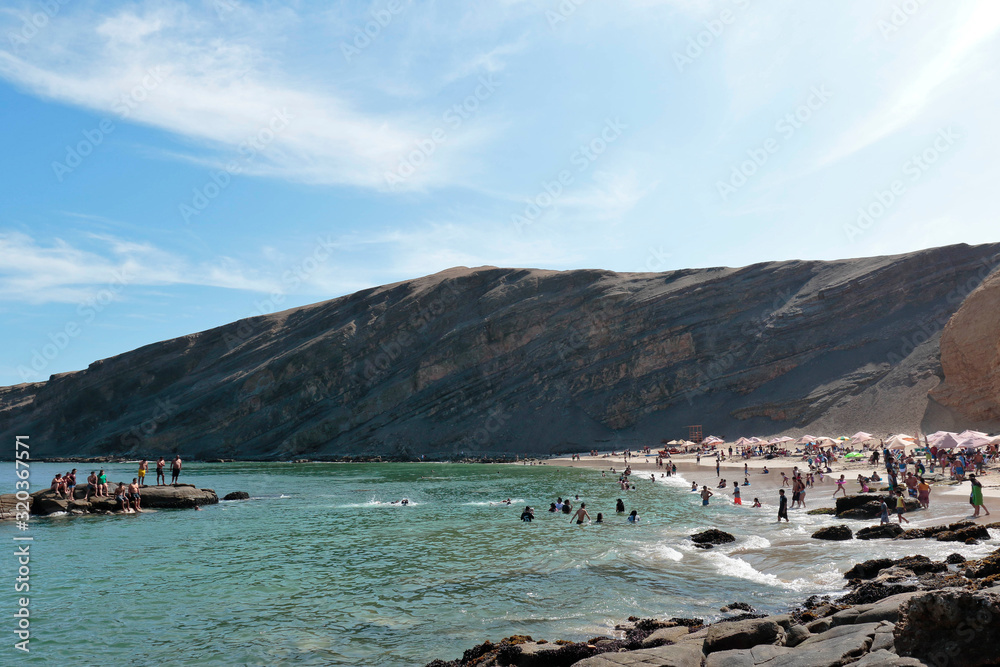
(221,88)
(61,272)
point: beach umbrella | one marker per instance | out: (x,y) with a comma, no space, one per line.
(973,439)
(899,442)
(843,438)
(754,440)
(861,436)
(823,438)
(742,442)
(936,437)
(947,441)
(806,439)
(713,440)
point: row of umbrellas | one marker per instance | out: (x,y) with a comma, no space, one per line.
(967,439)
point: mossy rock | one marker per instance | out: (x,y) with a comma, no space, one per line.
(822,510)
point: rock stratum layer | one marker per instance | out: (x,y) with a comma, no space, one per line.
(489,360)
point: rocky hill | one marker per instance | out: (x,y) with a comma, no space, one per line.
(492,360)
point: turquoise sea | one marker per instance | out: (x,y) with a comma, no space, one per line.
(317,568)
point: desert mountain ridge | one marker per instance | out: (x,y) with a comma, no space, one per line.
(488,360)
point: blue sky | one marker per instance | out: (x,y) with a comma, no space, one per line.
(168,167)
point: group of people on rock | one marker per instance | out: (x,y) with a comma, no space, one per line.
(128,496)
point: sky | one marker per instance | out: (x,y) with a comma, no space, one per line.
(168,167)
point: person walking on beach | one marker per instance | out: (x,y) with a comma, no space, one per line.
(782,506)
(581,514)
(885,513)
(143,467)
(977,497)
(737,500)
(841,487)
(901,507)
(924,493)
(159,471)
(175,469)
(705,495)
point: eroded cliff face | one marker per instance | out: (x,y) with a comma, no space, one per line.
(970,358)
(495,360)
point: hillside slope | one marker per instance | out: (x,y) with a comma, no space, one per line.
(492,360)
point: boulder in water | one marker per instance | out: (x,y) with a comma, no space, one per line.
(833,533)
(880,532)
(712,536)
(237,495)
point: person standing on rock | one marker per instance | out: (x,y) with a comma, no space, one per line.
(175,469)
(133,494)
(143,467)
(977,497)
(70,478)
(782,506)
(159,471)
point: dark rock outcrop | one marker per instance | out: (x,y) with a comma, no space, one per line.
(880,532)
(712,536)
(174,496)
(237,495)
(490,360)
(950,627)
(833,533)
(742,635)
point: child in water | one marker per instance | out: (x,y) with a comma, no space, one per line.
(756,502)
(633,517)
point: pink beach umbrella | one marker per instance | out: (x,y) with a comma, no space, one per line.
(861,436)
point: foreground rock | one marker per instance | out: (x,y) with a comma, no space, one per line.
(881,532)
(940,617)
(173,496)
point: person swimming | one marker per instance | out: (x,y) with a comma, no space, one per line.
(620,506)
(600,518)
(633,517)
(528,514)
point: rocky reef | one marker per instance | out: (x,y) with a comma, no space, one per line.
(481,361)
(906,612)
(171,496)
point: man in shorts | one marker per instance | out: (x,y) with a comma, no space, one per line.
(92,485)
(143,467)
(70,479)
(175,469)
(159,471)
(705,495)
(133,494)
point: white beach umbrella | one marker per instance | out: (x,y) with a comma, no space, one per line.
(973,439)
(861,436)
(806,439)
(899,442)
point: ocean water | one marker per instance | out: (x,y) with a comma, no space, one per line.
(318,569)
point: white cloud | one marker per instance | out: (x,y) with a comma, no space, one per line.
(185,74)
(60,272)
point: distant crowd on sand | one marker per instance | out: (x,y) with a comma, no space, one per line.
(905,475)
(128,496)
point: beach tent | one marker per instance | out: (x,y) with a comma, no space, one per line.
(754,440)
(743,442)
(822,439)
(712,440)
(861,436)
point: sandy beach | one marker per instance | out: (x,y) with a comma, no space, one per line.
(949,501)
